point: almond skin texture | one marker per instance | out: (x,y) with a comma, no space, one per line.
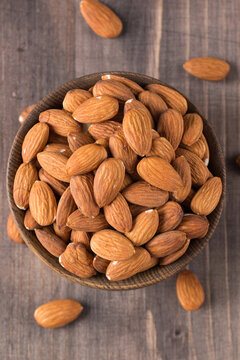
(77,260)
(24,114)
(155,104)
(86,159)
(58,186)
(74,98)
(81,237)
(198,148)
(54,164)
(207,197)
(104,129)
(25,177)
(112,88)
(66,206)
(207,68)
(100,264)
(138,131)
(189,291)
(127,181)
(171,126)
(108,181)
(96,109)
(63,233)
(82,191)
(57,313)
(170,216)
(50,241)
(134,87)
(174,256)
(13,232)
(60,121)
(162,147)
(58,148)
(193,127)
(34,141)
(144,227)
(166,243)
(183,169)
(195,226)
(42,203)
(138,105)
(111,245)
(29,222)
(101,19)
(172,98)
(78,139)
(142,193)
(118,214)
(159,173)
(77,221)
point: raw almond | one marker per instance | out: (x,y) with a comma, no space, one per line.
(57,313)
(77,260)
(183,169)
(66,206)
(60,121)
(108,181)
(162,147)
(13,232)
(104,129)
(58,148)
(81,237)
(170,216)
(74,98)
(100,264)
(166,243)
(118,214)
(25,176)
(96,109)
(78,139)
(174,256)
(159,173)
(137,209)
(207,68)
(50,241)
(63,233)
(29,221)
(155,134)
(207,197)
(77,221)
(198,148)
(113,88)
(104,142)
(134,87)
(24,114)
(138,105)
(34,141)
(101,19)
(58,186)
(86,159)
(111,245)
(54,164)
(193,126)
(127,181)
(170,125)
(153,102)
(42,203)
(189,291)
(195,226)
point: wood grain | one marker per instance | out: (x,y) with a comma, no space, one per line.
(45,43)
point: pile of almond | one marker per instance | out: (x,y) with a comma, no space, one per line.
(125,195)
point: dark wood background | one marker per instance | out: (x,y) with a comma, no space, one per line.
(44,43)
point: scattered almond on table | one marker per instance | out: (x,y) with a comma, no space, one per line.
(13,232)
(24,114)
(207,68)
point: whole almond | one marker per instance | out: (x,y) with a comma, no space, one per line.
(66,206)
(198,148)
(25,177)
(170,216)
(42,203)
(126,181)
(63,232)
(24,114)
(118,214)
(54,164)
(113,88)
(86,159)
(58,148)
(174,256)
(13,232)
(170,125)
(96,109)
(101,19)
(183,169)
(111,245)
(207,197)
(58,186)
(162,147)
(195,226)
(74,98)
(207,68)
(193,126)
(81,237)
(153,102)
(78,139)
(57,313)
(100,264)
(60,121)
(166,243)
(138,105)
(50,241)
(29,221)
(77,221)
(189,291)
(34,141)
(134,87)
(104,129)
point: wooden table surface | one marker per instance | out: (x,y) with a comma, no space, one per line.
(44,43)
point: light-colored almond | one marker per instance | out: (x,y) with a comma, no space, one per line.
(34,141)
(138,105)
(135,88)
(170,125)
(118,214)
(13,232)
(77,221)
(193,126)
(207,68)
(74,98)
(81,237)
(104,129)
(54,164)
(153,102)
(183,169)
(162,147)
(207,197)
(113,88)
(60,121)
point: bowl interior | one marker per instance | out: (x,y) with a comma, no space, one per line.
(156,274)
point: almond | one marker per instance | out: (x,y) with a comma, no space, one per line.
(189,291)
(60,121)
(162,147)
(193,126)
(56,139)
(58,186)
(207,68)
(77,221)
(86,159)
(24,114)
(126,181)
(63,232)
(118,214)
(101,19)
(159,173)
(34,141)
(57,313)
(153,102)
(82,191)
(50,241)
(42,203)
(142,193)
(25,176)
(104,129)
(174,256)
(74,98)
(54,164)
(171,126)
(195,226)
(166,243)
(206,156)
(104,142)
(155,134)
(96,109)
(207,197)
(13,232)
(137,209)
(111,245)
(78,139)
(198,148)
(66,206)
(186,203)
(183,169)
(58,148)
(138,105)
(121,150)
(81,237)
(100,264)
(108,181)
(113,88)
(134,87)
(172,98)
(138,131)
(170,216)
(29,221)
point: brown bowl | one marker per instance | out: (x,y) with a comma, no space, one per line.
(156,274)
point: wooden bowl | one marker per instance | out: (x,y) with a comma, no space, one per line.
(156,274)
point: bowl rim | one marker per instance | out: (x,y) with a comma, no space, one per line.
(140,280)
